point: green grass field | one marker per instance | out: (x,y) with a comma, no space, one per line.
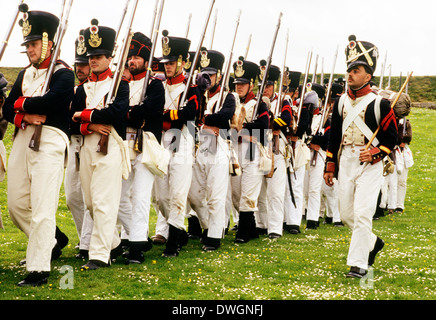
(308,266)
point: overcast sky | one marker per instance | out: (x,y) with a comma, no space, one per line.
(402,30)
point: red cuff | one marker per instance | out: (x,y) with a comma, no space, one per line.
(377,155)
(84,129)
(18,120)
(18,105)
(330,167)
(86,115)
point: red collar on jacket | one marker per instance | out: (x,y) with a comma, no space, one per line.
(176,80)
(139,76)
(362,91)
(44,64)
(248,97)
(102,76)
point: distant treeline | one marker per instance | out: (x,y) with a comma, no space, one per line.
(422,89)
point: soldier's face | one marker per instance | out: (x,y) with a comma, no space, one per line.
(34,50)
(268,91)
(136,64)
(99,64)
(171,69)
(242,89)
(82,71)
(357,77)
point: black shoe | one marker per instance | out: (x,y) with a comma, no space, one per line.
(273,235)
(34,279)
(311,224)
(174,244)
(379,244)
(116,252)
(261,231)
(56,252)
(328,220)
(93,265)
(293,229)
(61,238)
(356,272)
(398,210)
(244,225)
(339,224)
(194,228)
(211,244)
(83,254)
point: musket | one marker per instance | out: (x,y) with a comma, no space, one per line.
(267,67)
(154,35)
(118,74)
(326,109)
(407,86)
(21,7)
(236,169)
(118,30)
(213,29)
(314,79)
(188,25)
(303,89)
(382,72)
(322,71)
(153,23)
(281,95)
(389,79)
(36,137)
(392,106)
(282,79)
(248,46)
(226,75)
(197,54)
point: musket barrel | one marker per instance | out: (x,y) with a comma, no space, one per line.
(268,65)
(11,28)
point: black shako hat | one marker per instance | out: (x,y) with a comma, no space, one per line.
(273,73)
(99,40)
(211,61)
(245,71)
(319,89)
(80,49)
(37,24)
(140,46)
(174,48)
(360,53)
(294,78)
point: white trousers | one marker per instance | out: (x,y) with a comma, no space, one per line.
(359,187)
(294,213)
(135,202)
(72,185)
(314,181)
(246,187)
(389,191)
(402,187)
(275,195)
(208,192)
(34,182)
(101,178)
(172,189)
(330,196)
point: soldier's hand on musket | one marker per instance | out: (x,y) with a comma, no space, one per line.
(103,129)
(314,146)
(365,155)
(328,178)
(77,116)
(34,118)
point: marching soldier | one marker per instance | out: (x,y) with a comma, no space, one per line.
(280,120)
(356,116)
(72,185)
(301,156)
(318,144)
(144,115)
(35,177)
(210,177)
(172,190)
(329,194)
(251,137)
(98,120)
